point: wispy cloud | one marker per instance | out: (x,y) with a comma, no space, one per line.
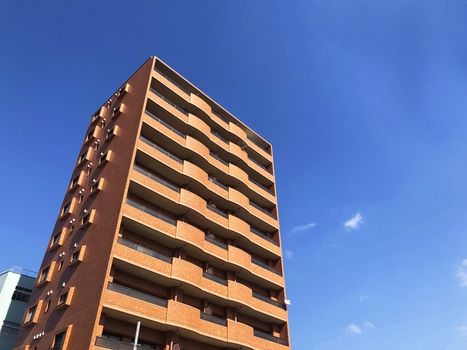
(354,222)
(302,228)
(354,329)
(289,254)
(363,298)
(461,273)
(357,329)
(462,330)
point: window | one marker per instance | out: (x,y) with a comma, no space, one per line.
(60,265)
(96,185)
(122,91)
(59,340)
(66,208)
(104,157)
(86,218)
(117,110)
(44,274)
(89,169)
(47,306)
(55,240)
(90,135)
(62,299)
(80,197)
(96,116)
(110,133)
(21,294)
(30,314)
(82,157)
(75,181)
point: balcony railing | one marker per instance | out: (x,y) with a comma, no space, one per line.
(144,250)
(115,287)
(215,278)
(184,89)
(221,117)
(151,211)
(114,344)
(266,266)
(156,178)
(270,337)
(161,149)
(218,183)
(174,105)
(214,319)
(268,300)
(261,185)
(219,136)
(263,235)
(215,242)
(167,125)
(265,149)
(216,156)
(260,165)
(217,210)
(260,208)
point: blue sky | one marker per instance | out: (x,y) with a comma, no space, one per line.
(364,102)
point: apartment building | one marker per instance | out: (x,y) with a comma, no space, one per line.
(15,290)
(169,219)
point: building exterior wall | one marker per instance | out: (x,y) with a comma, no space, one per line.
(12,305)
(170,219)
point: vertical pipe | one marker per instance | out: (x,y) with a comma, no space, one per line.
(135,345)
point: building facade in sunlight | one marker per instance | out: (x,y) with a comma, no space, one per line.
(15,290)
(169,220)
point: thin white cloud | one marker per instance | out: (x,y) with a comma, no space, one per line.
(462,330)
(357,329)
(354,222)
(289,254)
(302,228)
(363,298)
(354,329)
(461,273)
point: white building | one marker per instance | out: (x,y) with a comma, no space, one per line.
(15,289)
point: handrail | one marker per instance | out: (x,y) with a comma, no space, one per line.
(215,242)
(265,149)
(167,125)
(184,89)
(215,278)
(161,149)
(214,319)
(263,235)
(115,287)
(180,109)
(259,164)
(151,211)
(217,210)
(218,183)
(264,265)
(270,337)
(115,344)
(260,185)
(144,250)
(260,208)
(157,178)
(268,300)
(216,156)
(219,136)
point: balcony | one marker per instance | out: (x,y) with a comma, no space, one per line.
(219,136)
(263,235)
(161,149)
(216,156)
(214,319)
(174,105)
(173,82)
(265,266)
(260,165)
(144,250)
(151,211)
(268,300)
(260,208)
(270,337)
(119,345)
(156,178)
(218,183)
(167,125)
(217,210)
(216,242)
(260,185)
(215,278)
(115,287)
